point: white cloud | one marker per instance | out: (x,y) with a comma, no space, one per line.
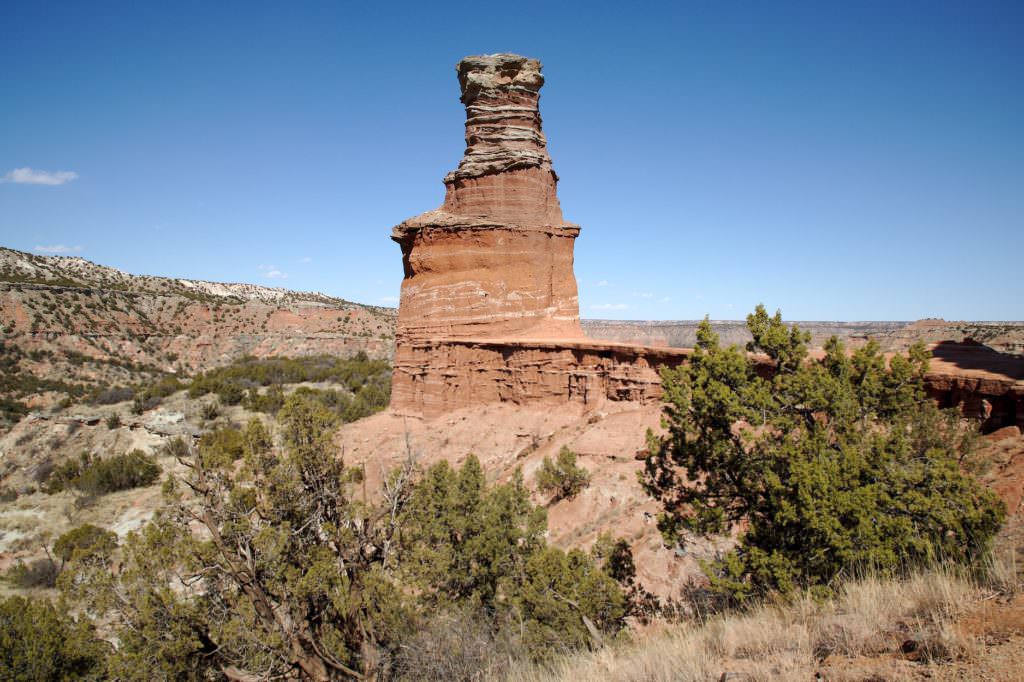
(646,294)
(666,299)
(603,283)
(272,272)
(28,176)
(305,259)
(389,299)
(609,306)
(58,248)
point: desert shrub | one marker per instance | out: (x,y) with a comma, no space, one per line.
(38,573)
(41,642)
(11,411)
(834,464)
(176,447)
(57,477)
(95,476)
(221,447)
(120,472)
(256,438)
(8,494)
(113,421)
(347,408)
(230,393)
(209,411)
(268,402)
(84,541)
(111,396)
(165,386)
(562,479)
(148,397)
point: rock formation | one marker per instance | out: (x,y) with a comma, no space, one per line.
(496,259)
(489,309)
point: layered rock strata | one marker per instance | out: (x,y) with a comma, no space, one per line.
(494,264)
(437,376)
(495,260)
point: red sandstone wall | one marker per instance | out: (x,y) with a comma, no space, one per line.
(432,378)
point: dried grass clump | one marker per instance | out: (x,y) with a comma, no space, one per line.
(910,618)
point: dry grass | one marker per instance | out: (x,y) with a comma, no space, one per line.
(904,620)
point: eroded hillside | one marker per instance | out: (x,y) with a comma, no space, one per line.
(70,326)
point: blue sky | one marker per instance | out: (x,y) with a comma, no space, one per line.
(837,160)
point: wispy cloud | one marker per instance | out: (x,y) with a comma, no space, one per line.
(646,294)
(666,299)
(603,283)
(609,306)
(58,248)
(389,299)
(305,259)
(28,176)
(272,272)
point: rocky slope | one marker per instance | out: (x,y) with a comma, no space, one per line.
(78,324)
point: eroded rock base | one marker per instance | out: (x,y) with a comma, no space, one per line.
(434,377)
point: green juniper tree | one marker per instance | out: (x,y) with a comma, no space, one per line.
(270,571)
(478,547)
(562,479)
(832,463)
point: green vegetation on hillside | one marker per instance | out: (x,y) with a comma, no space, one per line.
(834,465)
(367,383)
(271,560)
(39,641)
(99,476)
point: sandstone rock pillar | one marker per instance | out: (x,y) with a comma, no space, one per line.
(495,260)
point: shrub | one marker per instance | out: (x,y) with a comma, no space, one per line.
(84,541)
(113,421)
(369,381)
(111,396)
(120,472)
(8,494)
(269,402)
(471,545)
(55,478)
(209,411)
(176,447)
(221,447)
(833,464)
(95,477)
(40,642)
(39,573)
(562,479)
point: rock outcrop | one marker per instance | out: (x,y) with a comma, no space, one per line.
(496,259)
